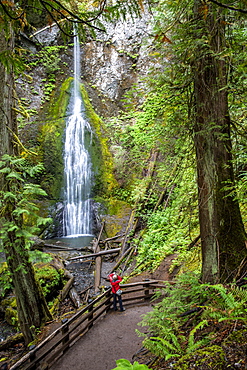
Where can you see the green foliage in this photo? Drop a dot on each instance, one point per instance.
(171, 230)
(18, 207)
(5, 279)
(167, 335)
(49, 57)
(38, 256)
(123, 364)
(12, 61)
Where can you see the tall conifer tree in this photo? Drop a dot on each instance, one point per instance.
(222, 232)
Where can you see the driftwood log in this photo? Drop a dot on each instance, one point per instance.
(68, 288)
(112, 239)
(11, 341)
(121, 259)
(101, 253)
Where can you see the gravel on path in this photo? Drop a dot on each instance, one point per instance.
(111, 338)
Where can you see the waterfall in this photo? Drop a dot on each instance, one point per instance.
(77, 161)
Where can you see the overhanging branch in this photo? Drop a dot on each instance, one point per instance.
(228, 7)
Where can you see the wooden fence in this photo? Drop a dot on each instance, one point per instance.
(46, 353)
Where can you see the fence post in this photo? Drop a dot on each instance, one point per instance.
(65, 333)
(32, 356)
(146, 292)
(110, 301)
(90, 317)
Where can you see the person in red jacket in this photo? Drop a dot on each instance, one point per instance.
(115, 281)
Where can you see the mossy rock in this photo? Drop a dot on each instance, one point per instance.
(11, 316)
(51, 140)
(50, 279)
(10, 310)
(117, 219)
(203, 359)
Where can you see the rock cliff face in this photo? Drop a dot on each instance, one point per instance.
(110, 65)
(116, 60)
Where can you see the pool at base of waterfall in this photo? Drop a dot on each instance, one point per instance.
(78, 241)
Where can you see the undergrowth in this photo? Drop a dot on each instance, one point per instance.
(190, 315)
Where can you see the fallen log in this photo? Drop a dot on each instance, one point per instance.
(121, 259)
(74, 297)
(96, 244)
(62, 294)
(109, 251)
(128, 258)
(113, 238)
(11, 341)
(61, 248)
(85, 290)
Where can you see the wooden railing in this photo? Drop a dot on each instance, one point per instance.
(56, 344)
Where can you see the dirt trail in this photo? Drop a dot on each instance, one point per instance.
(111, 338)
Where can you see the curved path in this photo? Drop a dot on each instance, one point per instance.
(111, 338)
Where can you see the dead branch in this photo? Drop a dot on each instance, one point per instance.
(121, 259)
(113, 238)
(101, 253)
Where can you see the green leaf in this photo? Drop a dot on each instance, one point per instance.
(9, 196)
(44, 221)
(5, 170)
(19, 212)
(14, 175)
(13, 228)
(126, 365)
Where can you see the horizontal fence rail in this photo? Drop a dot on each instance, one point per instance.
(47, 352)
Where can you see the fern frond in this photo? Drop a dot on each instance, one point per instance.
(191, 339)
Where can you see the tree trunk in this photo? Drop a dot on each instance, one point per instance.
(31, 304)
(221, 228)
(7, 115)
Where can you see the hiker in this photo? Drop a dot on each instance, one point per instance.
(116, 291)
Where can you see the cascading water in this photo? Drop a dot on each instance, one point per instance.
(77, 162)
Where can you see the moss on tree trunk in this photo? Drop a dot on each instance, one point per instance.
(31, 305)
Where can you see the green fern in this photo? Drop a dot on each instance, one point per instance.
(217, 302)
(19, 199)
(192, 345)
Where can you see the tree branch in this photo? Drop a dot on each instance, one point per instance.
(228, 7)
